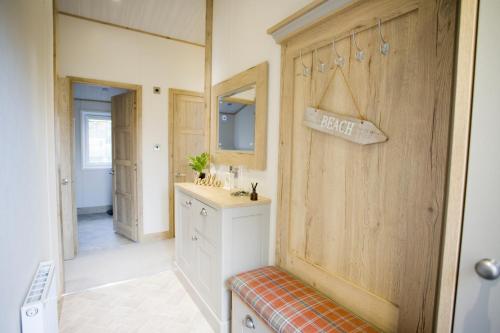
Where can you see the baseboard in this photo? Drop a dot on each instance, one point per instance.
(93, 210)
(156, 236)
(217, 325)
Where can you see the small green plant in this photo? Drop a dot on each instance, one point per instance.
(198, 163)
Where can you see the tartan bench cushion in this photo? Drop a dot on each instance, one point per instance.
(288, 305)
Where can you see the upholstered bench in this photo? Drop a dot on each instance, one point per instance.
(269, 299)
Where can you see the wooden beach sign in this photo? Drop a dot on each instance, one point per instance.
(352, 129)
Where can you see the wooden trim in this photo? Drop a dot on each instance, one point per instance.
(464, 83)
(256, 160)
(138, 95)
(155, 236)
(238, 100)
(172, 93)
(130, 29)
(208, 67)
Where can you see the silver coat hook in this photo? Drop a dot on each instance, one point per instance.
(320, 64)
(339, 60)
(360, 55)
(306, 71)
(384, 46)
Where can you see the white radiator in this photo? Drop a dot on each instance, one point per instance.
(39, 311)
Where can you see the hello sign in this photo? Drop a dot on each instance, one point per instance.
(352, 129)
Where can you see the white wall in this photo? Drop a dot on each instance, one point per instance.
(240, 41)
(28, 212)
(93, 187)
(93, 50)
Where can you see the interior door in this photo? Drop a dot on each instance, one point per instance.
(123, 117)
(478, 299)
(188, 137)
(64, 151)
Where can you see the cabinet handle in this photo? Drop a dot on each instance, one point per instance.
(248, 322)
(188, 203)
(203, 212)
(194, 238)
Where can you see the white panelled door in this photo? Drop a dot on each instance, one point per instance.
(478, 298)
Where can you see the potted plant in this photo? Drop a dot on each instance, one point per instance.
(199, 163)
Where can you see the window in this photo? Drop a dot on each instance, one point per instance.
(96, 140)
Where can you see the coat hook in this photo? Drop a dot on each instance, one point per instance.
(339, 61)
(360, 55)
(306, 71)
(320, 64)
(384, 46)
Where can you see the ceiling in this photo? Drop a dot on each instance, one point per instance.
(180, 19)
(95, 92)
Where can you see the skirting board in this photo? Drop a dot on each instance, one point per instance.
(210, 316)
(155, 236)
(93, 210)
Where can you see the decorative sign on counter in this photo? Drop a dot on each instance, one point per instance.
(352, 129)
(209, 180)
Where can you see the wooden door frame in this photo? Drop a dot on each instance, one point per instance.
(172, 94)
(138, 94)
(457, 163)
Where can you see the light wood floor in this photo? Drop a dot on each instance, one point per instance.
(151, 304)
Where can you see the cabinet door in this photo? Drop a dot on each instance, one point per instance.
(185, 232)
(206, 270)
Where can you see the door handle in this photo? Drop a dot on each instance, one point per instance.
(180, 174)
(488, 269)
(203, 212)
(65, 181)
(194, 238)
(112, 172)
(248, 322)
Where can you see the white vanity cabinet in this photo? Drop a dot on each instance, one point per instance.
(217, 236)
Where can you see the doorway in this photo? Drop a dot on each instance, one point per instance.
(93, 165)
(98, 140)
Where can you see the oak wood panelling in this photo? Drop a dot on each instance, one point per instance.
(188, 136)
(363, 223)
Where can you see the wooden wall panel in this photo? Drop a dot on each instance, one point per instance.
(363, 223)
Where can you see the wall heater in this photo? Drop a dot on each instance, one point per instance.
(39, 311)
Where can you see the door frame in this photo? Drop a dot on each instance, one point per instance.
(457, 164)
(138, 94)
(172, 94)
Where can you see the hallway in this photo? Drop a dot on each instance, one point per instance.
(106, 257)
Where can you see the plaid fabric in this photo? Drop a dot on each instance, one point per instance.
(288, 305)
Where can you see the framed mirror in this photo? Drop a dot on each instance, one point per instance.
(239, 119)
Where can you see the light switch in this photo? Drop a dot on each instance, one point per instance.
(156, 147)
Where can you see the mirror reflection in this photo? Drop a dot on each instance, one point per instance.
(237, 120)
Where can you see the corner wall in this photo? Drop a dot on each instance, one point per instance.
(96, 51)
(28, 207)
(240, 41)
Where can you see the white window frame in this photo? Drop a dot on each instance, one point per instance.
(85, 115)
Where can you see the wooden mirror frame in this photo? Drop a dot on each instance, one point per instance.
(256, 159)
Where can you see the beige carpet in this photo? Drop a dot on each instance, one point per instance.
(153, 304)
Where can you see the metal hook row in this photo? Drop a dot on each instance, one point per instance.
(384, 48)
